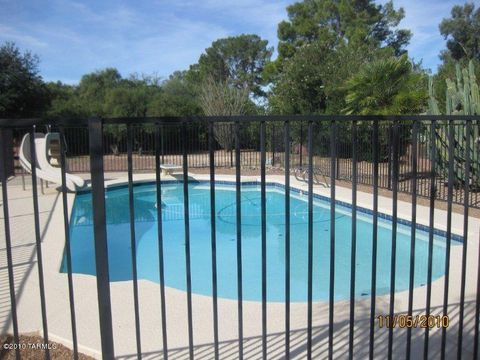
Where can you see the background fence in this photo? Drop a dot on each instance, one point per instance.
(115, 151)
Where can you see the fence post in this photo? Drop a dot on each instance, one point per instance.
(95, 129)
(389, 174)
(7, 148)
(8, 243)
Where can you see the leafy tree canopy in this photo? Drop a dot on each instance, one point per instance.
(334, 21)
(462, 32)
(65, 102)
(238, 60)
(300, 88)
(106, 93)
(22, 91)
(313, 80)
(386, 86)
(93, 89)
(178, 97)
(125, 102)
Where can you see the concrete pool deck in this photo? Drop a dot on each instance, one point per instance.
(57, 302)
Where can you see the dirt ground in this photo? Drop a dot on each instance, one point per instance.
(30, 348)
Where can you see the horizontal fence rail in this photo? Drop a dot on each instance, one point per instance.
(414, 180)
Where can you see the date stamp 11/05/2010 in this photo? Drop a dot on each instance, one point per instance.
(413, 321)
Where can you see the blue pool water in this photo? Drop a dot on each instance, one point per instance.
(118, 233)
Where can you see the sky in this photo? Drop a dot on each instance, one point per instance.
(74, 37)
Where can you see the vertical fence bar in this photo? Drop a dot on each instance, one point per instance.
(394, 232)
(162, 129)
(38, 241)
(68, 252)
(133, 242)
(401, 164)
(273, 144)
(337, 171)
(287, 239)
(466, 194)
(333, 171)
(374, 240)
(100, 235)
(264, 239)
(23, 178)
(433, 160)
(231, 152)
(389, 172)
(187, 239)
(310, 241)
(354, 240)
(476, 150)
(161, 268)
(8, 243)
(214, 237)
(461, 143)
(451, 148)
(301, 145)
(477, 311)
(445, 155)
(413, 232)
(238, 201)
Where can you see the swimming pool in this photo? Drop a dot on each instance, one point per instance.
(118, 234)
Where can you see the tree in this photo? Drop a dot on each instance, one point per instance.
(222, 99)
(312, 81)
(177, 96)
(123, 101)
(386, 86)
(106, 93)
(93, 89)
(462, 32)
(64, 102)
(238, 60)
(22, 91)
(300, 88)
(334, 21)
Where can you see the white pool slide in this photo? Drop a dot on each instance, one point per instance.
(44, 169)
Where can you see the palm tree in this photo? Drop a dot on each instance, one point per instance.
(389, 86)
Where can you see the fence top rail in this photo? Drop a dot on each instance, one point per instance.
(18, 123)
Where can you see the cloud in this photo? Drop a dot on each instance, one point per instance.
(10, 34)
(73, 37)
(81, 9)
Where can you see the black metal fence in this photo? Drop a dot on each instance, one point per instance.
(400, 153)
(115, 143)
